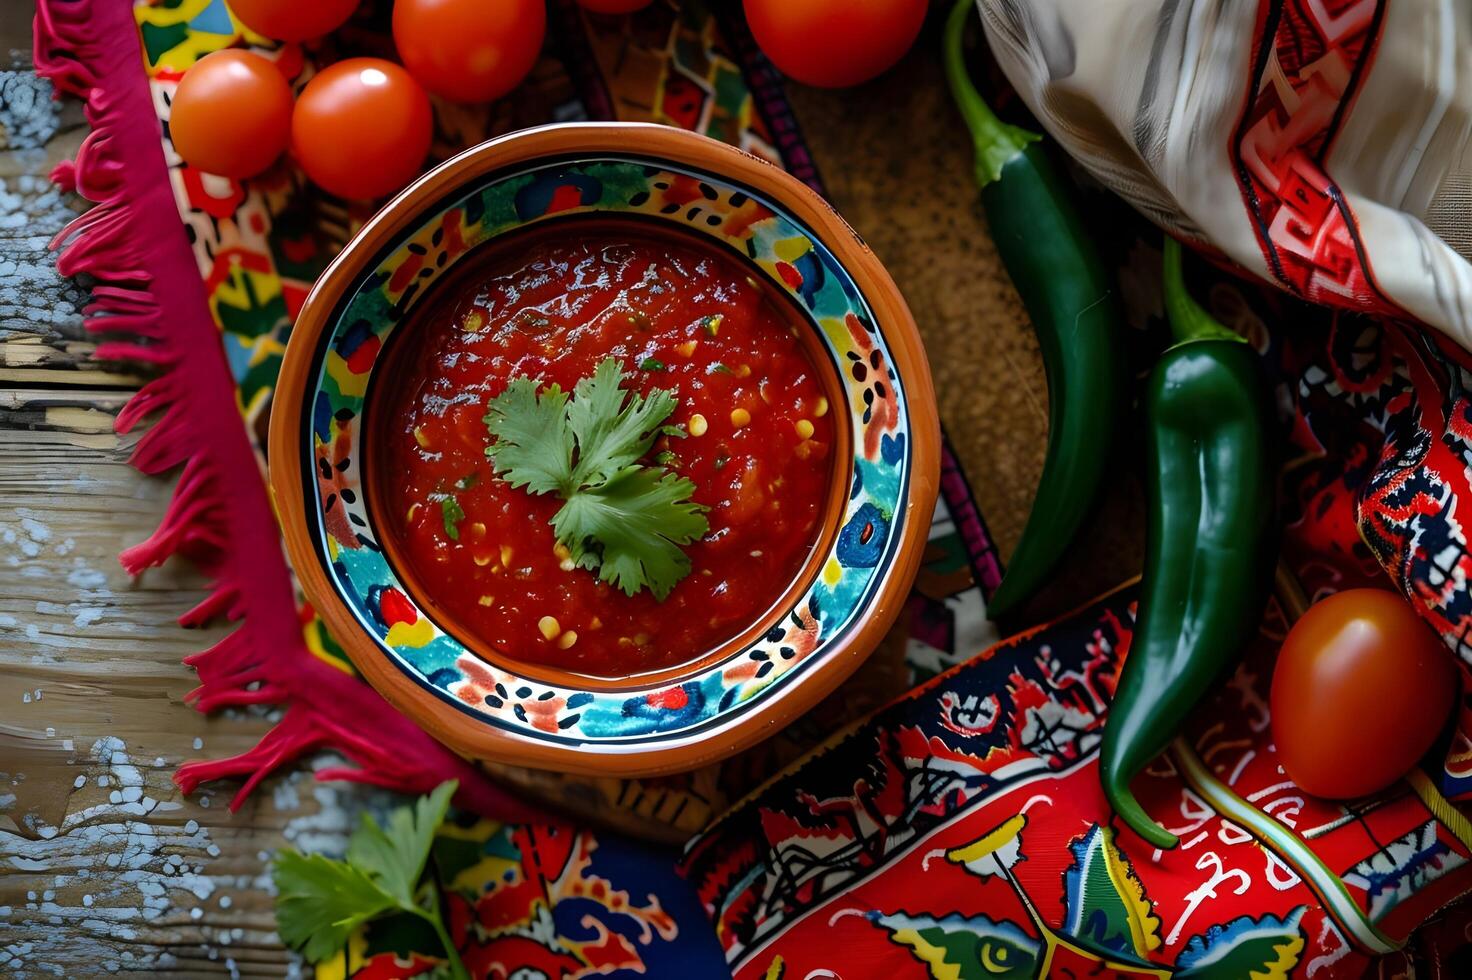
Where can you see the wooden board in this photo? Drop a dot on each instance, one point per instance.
(103, 865)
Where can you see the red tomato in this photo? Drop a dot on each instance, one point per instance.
(614, 6)
(1361, 690)
(469, 50)
(834, 43)
(231, 114)
(361, 128)
(293, 20)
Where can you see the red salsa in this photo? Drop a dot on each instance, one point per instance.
(550, 305)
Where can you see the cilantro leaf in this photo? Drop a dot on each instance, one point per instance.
(613, 432)
(395, 854)
(319, 902)
(631, 527)
(534, 443)
(452, 514)
(651, 364)
(624, 519)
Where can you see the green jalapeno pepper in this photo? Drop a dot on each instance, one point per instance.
(1075, 314)
(1209, 539)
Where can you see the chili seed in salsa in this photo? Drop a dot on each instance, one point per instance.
(551, 304)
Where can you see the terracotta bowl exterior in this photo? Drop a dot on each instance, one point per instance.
(486, 704)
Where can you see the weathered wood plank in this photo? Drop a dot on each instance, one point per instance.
(93, 724)
(104, 867)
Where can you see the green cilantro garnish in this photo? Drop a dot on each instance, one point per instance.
(452, 514)
(716, 367)
(319, 901)
(624, 519)
(467, 481)
(666, 458)
(651, 364)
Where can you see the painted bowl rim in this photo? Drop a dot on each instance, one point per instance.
(290, 443)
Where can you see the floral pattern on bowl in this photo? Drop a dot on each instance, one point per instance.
(611, 717)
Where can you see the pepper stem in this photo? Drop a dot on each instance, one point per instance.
(995, 142)
(1188, 319)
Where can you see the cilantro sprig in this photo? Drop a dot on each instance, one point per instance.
(319, 901)
(621, 517)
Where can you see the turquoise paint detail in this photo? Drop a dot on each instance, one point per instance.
(237, 354)
(439, 654)
(214, 19)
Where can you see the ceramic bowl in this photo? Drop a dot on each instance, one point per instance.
(490, 706)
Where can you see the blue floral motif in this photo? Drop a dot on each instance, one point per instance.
(861, 541)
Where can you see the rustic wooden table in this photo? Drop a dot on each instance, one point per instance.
(104, 866)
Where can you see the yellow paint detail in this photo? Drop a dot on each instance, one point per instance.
(1003, 834)
(347, 961)
(1442, 810)
(791, 249)
(832, 572)
(1144, 924)
(1289, 951)
(412, 635)
(837, 333)
(198, 43)
(491, 867)
(266, 346)
(775, 969)
(312, 636)
(928, 953)
(994, 957)
(350, 384)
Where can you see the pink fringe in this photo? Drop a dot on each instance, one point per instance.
(150, 302)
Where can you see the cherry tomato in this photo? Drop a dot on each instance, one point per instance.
(469, 50)
(834, 43)
(614, 6)
(231, 114)
(1361, 690)
(293, 20)
(361, 128)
